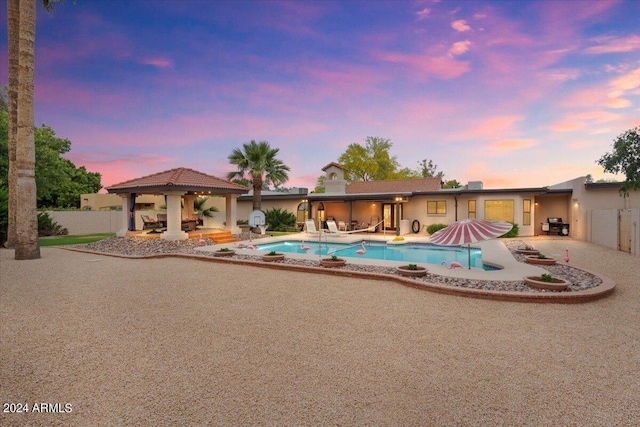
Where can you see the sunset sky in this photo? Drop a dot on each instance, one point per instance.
(511, 93)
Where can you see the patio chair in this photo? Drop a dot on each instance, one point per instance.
(162, 219)
(333, 228)
(311, 226)
(148, 222)
(342, 226)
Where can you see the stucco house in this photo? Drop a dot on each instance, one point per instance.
(593, 212)
(588, 211)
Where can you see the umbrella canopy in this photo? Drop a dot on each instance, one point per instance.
(469, 231)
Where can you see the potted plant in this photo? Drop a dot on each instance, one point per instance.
(546, 281)
(334, 261)
(224, 252)
(527, 250)
(540, 259)
(411, 270)
(273, 256)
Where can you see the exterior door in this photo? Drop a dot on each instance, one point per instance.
(389, 215)
(624, 230)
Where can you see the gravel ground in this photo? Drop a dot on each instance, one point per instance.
(181, 342)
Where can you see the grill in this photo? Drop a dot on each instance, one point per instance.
(555, 225)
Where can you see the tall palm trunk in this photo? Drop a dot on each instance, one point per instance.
(27, 246)
(257, 192)
(13, 15)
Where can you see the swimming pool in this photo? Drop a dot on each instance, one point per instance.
(410, 252)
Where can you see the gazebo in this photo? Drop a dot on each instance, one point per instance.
(176, 184)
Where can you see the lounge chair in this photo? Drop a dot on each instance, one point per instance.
(333, 228)
(342, 226)
(148, 222)
(311, 226)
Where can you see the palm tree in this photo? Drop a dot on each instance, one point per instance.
(198, 207)
(23, 215)
(258, 161)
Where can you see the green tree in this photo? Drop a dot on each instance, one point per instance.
(452, 183)
(59, 183)
(404, 173)
(625, 158)
(320, 184)
(369, 162)
(258, 163)
(429, 170)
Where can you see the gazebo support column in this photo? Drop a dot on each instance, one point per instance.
(231, 207)
(174, 218)
(125, 216)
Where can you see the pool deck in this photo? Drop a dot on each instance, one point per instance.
(494, 252)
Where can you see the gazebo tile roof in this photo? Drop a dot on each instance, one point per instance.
(179, 177)
(394, 186)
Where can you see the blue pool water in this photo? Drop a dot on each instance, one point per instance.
(410, 252)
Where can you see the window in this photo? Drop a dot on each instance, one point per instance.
(333, 176)
(472, 208)
(498, 210)
(526, 212)
(437, 207)
(303, 208)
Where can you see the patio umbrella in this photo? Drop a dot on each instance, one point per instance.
(469, 231)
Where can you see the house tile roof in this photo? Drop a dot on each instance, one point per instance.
(178, 179)
(338, 165)
(394, 186)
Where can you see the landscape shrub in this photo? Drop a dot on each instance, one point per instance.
(48, 227)
(280, 220)
(435, 227)
(513, 232)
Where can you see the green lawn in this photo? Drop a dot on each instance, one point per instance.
(73, 240)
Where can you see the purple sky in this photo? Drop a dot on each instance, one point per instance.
(512, 93)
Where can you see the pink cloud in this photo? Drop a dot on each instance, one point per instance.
(458, 48)
(116, 170)
(618, 103)
(460, 25)
(567, 125)
(423, 14)
(626, 82)
(440, 67)
(614, 45)
(491, 127)
(576, 121)
(505, 145)
(157, 62)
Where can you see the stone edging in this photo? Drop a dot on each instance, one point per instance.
(605, 289)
